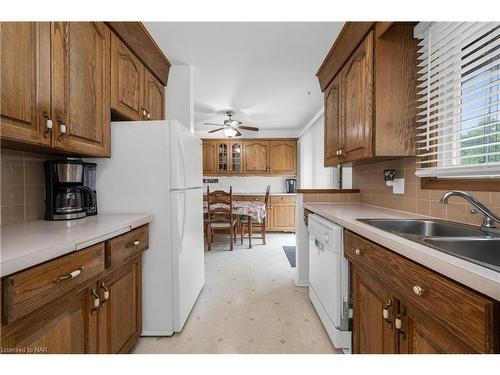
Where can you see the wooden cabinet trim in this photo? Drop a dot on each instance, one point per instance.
(351, 35)
(135, 36)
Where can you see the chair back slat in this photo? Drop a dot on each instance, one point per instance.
(220, 206)
(268, 191)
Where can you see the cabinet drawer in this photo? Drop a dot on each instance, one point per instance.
(255, 198)
(29, 290)
(126, 246)
(282, 199)
(463, 312)
(239, 198)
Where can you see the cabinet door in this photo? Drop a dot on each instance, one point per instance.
(419, 334)
(372, 334)
(25, 87)
(333, 132)
(283, 157)
(209, 157)
(80, 87)
(154, 97)
(127, 81)
(222, 153)
(68, 326)
(357, 94)
(283, 217)
(235, 149)
(120, 321)
(255, 157)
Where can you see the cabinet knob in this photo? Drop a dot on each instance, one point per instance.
(358, 252)
(48, 125)
(418, 290)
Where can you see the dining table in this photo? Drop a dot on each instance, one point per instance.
(253, 211)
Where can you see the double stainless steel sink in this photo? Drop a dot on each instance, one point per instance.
(463, 241)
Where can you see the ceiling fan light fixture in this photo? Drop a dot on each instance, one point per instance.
(229, 132)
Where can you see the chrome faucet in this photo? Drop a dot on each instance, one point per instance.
(489, 217)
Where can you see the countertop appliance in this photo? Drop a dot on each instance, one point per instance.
(291, 185)
(329, 280)
(89, 180)
(156, 168)
(66, 196)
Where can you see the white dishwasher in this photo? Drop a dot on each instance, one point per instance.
(329, 280)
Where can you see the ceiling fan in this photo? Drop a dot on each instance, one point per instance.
(231, 126)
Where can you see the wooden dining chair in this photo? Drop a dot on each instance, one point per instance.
(220, 216)
(261, 227)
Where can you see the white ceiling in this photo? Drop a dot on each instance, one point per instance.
(263, 71)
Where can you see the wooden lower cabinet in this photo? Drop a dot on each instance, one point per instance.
(98, 315)
(67, 326)
(371, 332)
(120, 321)
(425, 311)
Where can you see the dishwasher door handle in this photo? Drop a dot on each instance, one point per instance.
(319, 245)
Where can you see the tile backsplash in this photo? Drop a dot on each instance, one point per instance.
(22, 185)
(369, 179)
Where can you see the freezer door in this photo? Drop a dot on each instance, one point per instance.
(188, 252)
(185, 158)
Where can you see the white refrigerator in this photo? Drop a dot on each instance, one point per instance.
(156, 168)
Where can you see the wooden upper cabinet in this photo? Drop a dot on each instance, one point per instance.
(136, 94)
(333, 134)
(357, 89)
(256, 156)
(209, 157)
(154, 97)
(80, 87)
(25, 81)
(369, 83)
(127, 81)
(283, 157)
(250, 157)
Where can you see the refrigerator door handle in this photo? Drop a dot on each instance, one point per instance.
(181, 210)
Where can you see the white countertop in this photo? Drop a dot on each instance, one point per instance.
(35, 242)
(474, 276)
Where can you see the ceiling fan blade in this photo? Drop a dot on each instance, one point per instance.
(211, 123)
(215, 130)
(251, 128)
(238, 134)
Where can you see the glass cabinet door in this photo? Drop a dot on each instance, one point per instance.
(222, 156)
(235, 157)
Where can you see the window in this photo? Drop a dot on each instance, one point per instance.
(458, 116)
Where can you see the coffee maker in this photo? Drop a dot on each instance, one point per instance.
(66, 196)
(89, 180)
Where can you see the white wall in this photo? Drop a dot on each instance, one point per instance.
(248, 184)
(312, 173)
(179, 96)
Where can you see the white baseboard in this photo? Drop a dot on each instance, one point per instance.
(301, 283)
(157, 333)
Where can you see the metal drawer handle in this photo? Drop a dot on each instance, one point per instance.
(358, 252)
(97, 300)
(418, 290)
(48, 124)
(62, 129)
(70, 275)
(106, 294)
(319, 245)
(134, 244)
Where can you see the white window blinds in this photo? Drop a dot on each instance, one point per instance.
(458, 108)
